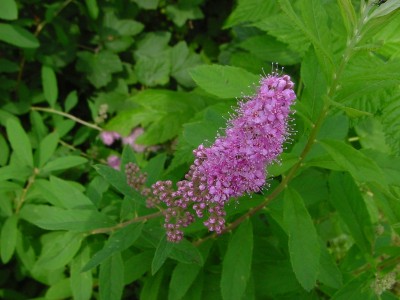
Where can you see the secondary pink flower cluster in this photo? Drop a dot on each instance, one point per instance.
(235, 164)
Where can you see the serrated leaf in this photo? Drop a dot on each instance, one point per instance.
(19, 141)
(152, 71)
(163, 250)
(81, 282)
(179, 14)
(47, 147)
(360, 167)
(236, 266)
(225, 81)
(347, 200)
(55, 218)
(111, 278)
(8, 10)
(99, 67)
(119, 241)
(329, 273)
(17, 36)
(63, 163)
(49, 83)
(250, 10)
(182, 278)
(118, 180)
(304, 245)
(8, 241)
(59, 250)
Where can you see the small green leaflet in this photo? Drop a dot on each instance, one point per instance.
(49, 83)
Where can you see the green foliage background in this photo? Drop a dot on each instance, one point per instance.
(72, 228)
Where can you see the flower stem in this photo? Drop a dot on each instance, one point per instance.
(69, 116)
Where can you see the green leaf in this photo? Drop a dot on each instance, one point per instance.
(81, 282)
(9, 233)
(304, 245)
(119, 241)
(348, 15)
(179, 14)
(163, 250)
(360, 167)
(155, 168)
(118, 180)
(225, 81)
(359, 288)
(186, 252)
(347, 200)
(55, 218)
(182, 278)
(59, 251)
(147, 4)
(137, 265)
(47, 147)
(4, 150)
(152, 286)
(236, 266)
(63, 193)
(17, 36)
(99, 67)
(385, 9)
(63, 163)
(153, 71)
(268, 48)
(329, 273)
(19, 141)
(111, 278)
(250, 11)
(71, 101)
(93, 8)
(60, 290)
(49, 83)
(8, 10)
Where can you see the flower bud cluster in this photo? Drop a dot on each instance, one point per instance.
(235, 164)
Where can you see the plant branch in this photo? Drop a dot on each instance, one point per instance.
(124, 224)
(22, 198)
(69, 116)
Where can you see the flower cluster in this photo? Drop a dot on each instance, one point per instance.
(235, 164)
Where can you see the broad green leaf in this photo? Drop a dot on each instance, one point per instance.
(118, 180)
(119, 27)
(268, 48)
(93, 8)
(9, 233)
(14, 172)
(179, 14)
(81, 282)
(250, 10)
(99, 67)
(153, 45)
(360, 167)
(49, 83)
(19, 141)
(59, 251)
(236, 265)
(55, 218)
(62, 193)
(152, 286)
(155, 168)
(71, 101)
(137, 265)
(186, 252)
(8, 10)
(47, 147)
(119, 241)
(347, 200)
(329, 273)
(60, 290)
(17, 36)
(111, 278)
(63, 163)
(152, 71)
(314, 86)
(163, 250)
(304, 245)
(225, 81)
(182, 278)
